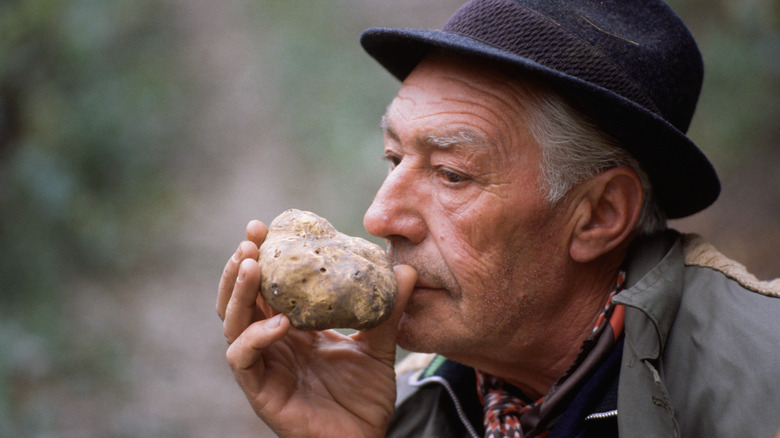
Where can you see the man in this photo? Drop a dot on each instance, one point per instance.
(535, 151)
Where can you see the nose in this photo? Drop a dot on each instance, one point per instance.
(397, 210)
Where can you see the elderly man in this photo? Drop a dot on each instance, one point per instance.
(536, 150)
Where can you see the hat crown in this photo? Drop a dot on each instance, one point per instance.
(639, 50)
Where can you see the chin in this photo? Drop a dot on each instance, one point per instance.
(425, 335)
(413, 337)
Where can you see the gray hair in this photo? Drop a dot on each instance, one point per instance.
(574, 149)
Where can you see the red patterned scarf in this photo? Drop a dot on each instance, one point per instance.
(507, 415)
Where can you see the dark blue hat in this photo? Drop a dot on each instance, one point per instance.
(631, 65)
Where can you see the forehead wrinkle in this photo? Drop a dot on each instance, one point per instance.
(434, 138)
(493, 116)
(385, 122)
(512, 99)
(497, 111)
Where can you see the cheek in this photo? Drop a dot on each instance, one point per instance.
(474, 227)
(499, 258)
(472, 273)
(484, 273)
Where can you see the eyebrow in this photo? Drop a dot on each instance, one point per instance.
(456, 138)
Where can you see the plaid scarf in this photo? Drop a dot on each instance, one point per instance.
(507, 415)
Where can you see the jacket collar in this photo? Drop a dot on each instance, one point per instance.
(654, 289)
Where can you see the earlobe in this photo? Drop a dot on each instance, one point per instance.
(609, 208)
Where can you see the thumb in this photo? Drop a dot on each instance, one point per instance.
(382, 338)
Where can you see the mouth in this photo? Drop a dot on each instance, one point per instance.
(423, 287)
(423, 283)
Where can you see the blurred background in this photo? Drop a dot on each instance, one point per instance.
(138, 137)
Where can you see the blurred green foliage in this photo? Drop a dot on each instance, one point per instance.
(90, 103)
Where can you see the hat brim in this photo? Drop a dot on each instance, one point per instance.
(684, 181)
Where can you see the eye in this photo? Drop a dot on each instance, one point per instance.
(450, 176)
(393, 159)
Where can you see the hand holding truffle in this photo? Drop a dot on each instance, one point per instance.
(345, 384)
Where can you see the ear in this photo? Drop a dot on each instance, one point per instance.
(608, 208)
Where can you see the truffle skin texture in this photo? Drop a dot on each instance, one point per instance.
(321, 278)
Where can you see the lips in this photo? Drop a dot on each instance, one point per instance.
(423, 284)
(427, 288)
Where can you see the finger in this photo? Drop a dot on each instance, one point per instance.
(248, 347)
(241, 310)
(264, 308)
(382, 338)
(246, 250)
(256, 232)
(246, 352)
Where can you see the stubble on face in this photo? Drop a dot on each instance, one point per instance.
(467, 319)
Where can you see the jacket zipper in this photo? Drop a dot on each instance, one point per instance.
(602, 415)
(462, 414)
(451, 392)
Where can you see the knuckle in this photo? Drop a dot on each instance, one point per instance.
(230, 356)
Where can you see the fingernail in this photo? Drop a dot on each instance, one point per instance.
(276, 321)
(237, 255)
